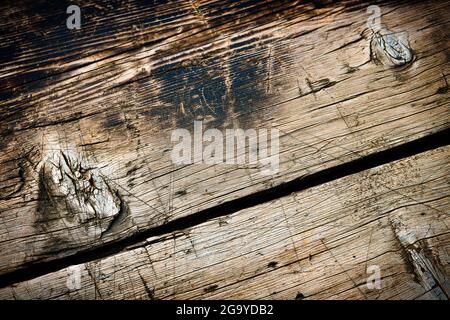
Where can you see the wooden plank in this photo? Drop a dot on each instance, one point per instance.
(110, 101)
(318, 243)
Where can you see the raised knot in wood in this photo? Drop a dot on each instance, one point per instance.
(390, 48)
(78, 193)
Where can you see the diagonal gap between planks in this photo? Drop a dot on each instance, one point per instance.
(427, 143)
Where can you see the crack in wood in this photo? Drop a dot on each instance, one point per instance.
(424, 144)
(420, 262)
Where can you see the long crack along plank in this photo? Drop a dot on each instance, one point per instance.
(89, 114)
(319, 243)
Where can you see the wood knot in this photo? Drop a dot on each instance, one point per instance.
(390, 48)
(78, 194)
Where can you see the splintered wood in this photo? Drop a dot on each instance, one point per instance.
(86, 122)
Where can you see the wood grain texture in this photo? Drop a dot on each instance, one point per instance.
(313, 244)
(100, 103)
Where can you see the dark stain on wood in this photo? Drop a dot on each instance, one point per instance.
(211, 288)
(299, 296)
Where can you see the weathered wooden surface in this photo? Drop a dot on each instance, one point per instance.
(107, 97)
(314, 244)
